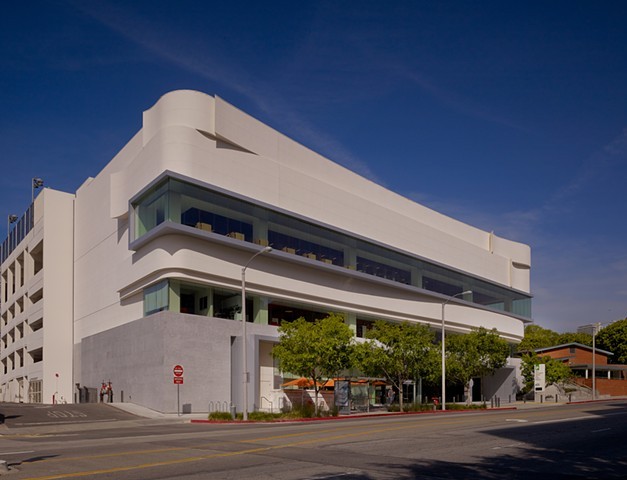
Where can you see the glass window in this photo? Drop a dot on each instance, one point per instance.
(156, 298)
(382, 270)
(213, 212)
(279, 313)
(152, 210)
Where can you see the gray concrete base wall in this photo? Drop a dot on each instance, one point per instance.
(504, 384)
(138, 359)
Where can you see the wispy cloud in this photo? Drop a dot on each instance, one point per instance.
(576, 279)
(602, 163)
(529, 223)
(455, 101)
(201, 60)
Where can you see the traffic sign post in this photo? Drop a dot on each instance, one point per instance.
(178, 381)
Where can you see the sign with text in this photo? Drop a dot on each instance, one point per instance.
(539, 377)
(178, 370)
(178, 380)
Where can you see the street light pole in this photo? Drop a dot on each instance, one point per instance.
(595, 330)
(467, 292)
(244, 339)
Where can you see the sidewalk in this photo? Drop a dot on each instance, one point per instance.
(29, 419)
(145, 416)
(145, 412)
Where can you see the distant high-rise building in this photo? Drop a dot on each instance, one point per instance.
(590, 328)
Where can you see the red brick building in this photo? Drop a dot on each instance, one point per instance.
(610, 379)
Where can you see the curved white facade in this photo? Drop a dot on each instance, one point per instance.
(170, 221)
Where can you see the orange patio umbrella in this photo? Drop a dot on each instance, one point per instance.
(301, 382)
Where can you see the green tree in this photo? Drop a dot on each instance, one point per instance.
(570, 337)
(476, 354)
(318, 351)
(538, 337)
(555, 371)
(398, 352)
(613, 338)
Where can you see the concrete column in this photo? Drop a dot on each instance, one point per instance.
(11, 280)
(350, 258)
(174, 207)
(19, 281)
(260, 310)
(260, 231)
(416, 277)
(351, 321)
(209, 302)
(174, 296)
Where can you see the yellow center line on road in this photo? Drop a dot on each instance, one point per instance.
(368, 430)
(343, 429)
(117, 454)
(397, 426)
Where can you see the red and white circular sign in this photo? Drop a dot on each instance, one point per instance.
(178, 371)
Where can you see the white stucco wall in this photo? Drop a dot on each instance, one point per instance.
(278, 171)
(53, 230)
(265, 166)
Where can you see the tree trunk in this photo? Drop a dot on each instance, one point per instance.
(400, 394)
(316, 387)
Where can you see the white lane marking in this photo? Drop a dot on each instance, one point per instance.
(511, 445)
(64, 423)
(600, 430)
(17, 453)
(571, 419)
(518, 420)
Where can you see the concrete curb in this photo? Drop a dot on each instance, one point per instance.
(356, 416)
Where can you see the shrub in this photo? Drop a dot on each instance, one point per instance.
(464, 406)
(411, 407)
(264, 416)
(300, 411)
(220, 416)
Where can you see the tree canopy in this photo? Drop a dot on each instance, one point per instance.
(555, 371)
(318, 351)
(613, 338)
(539, 337)
(576, 337)
(476, 354)
(398, 352)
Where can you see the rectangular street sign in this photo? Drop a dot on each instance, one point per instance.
(178, 380)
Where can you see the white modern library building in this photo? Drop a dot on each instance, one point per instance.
(141, 268)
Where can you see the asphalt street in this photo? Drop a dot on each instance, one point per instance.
(25, 415)
(558, 442)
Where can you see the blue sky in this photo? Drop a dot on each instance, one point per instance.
(509, 116)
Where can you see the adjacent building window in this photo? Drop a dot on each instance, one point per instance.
(34, 391)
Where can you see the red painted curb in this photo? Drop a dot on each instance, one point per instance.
(350, 417)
